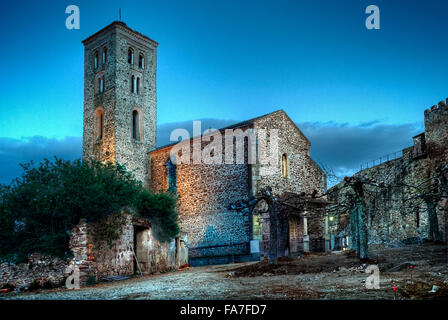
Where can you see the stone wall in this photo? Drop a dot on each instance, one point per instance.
(392, 215)
(38, 272)
(206, 191)
(100, 260)
(304, 175)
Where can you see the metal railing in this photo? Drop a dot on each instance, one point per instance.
(383, 159)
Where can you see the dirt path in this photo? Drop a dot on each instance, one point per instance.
(336, 280)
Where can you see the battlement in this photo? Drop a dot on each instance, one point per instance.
(441, 109)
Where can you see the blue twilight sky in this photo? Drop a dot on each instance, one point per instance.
(357, 93)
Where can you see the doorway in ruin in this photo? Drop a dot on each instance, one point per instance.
(141, 259)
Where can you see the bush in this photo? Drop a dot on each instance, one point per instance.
(160, 209)
(39, 209)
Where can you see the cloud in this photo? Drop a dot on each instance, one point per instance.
(344, 148)
(16, 151)
(341, 147)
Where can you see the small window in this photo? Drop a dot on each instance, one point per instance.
(135, 125)
(104, 55)
(172, 176)
(284, 166)
(137, 86)
(101, 84)
(95, 60)
(141, 61)
(131, 56)
(133, 84)
(99, 124)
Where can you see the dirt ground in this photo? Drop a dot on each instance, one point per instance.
(338, 275)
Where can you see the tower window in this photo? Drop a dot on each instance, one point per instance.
(101, 84)
(95, 60)
(135, 125)
(137, 86)
(99, 124)
(133, 84)
(104, 55)
(284, 166)
(131, 56)
(141, 61)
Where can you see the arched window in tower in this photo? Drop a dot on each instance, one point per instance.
(101, 84)
(99, 124)
(131, 56)
(172, 176)
(284, 166)
(137, 86)
(104, 55)
(135, 125)
(133, 84)
(95, 60)
(141, 61)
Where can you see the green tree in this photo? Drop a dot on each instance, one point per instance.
(38, 210)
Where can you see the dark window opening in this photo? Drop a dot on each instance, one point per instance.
(96, 60)
(104, 55)
(130, 56)
(135, 125)
(133, 84)
(141, 61)
(172, 177)
(100, 124)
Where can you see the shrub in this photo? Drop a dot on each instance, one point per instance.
(39, 209)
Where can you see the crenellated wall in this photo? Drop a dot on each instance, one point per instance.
(393, 216)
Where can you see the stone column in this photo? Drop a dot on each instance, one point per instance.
(306, 237)
(326, 235)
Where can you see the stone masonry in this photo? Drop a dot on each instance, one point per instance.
(117, 101)
(392, 217)
(206, 191)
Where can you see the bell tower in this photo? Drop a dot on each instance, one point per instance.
(120, 99)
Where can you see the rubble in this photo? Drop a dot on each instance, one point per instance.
(39, 272)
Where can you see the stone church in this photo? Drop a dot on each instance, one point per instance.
(120, 119)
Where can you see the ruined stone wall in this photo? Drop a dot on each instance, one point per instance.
(392, 215)
(117, 101)
(436, 132)
(38, 272)
(103, 259)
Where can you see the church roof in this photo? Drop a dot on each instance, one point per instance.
(241, 124)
